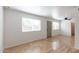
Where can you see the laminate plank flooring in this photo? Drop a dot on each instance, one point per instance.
(56, 44)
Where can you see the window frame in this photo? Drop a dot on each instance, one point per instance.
(54, 25)
(32, 22)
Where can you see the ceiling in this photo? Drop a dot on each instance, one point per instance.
(56, 12)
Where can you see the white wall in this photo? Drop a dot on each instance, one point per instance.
(76, 20)
(66, 27)
(77, 31)
(13, 28)
(1, 29)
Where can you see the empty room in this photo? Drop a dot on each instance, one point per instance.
(39, 29)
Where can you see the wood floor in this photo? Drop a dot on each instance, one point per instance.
(57, 44)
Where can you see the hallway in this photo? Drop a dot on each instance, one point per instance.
(57, 44)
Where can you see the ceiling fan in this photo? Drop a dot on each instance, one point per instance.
(67, 18)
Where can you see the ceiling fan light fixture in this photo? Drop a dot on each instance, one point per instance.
(66, 18)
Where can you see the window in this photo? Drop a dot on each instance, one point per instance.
(29, 24)
(55, 25)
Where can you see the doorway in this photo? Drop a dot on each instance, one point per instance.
(72, 29)
(49, 29)
(73, 33)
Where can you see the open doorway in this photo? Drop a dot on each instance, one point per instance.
(73, 33)
(49, 29)
(72, 29)
(53, 28)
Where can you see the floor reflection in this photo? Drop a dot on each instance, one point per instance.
(58, 44)
(55, 45)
